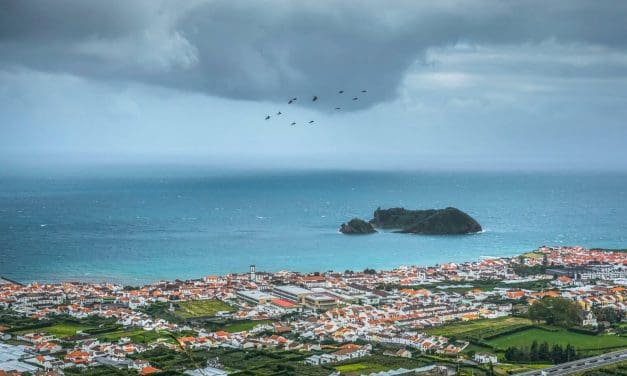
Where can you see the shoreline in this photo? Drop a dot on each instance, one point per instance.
(148, 281)
(139, 282)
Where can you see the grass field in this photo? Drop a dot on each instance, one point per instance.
(244, 325)
(479, 329)
(377, 363)
(136, 335)
(504, 369)
(561, 337)
(201, 308)
(361, 368)
(67, 330)
(58, 330)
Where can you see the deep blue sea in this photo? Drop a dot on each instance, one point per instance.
(146, 228)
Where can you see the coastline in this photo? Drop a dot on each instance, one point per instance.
(134, 281)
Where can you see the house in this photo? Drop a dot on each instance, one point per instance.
(351, 351)
(563, 281)
(47, 347)
(35, 338)
(149, 370)
(316, 360)
(589, 319)
(484, 358)
(402, 353)
(10, 373)
(345, 352)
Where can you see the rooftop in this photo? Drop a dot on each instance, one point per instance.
(294, 290)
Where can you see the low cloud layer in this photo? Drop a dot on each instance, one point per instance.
(272, 50)
(450, 84)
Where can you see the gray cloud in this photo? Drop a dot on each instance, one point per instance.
(490, 84)
(270, 50)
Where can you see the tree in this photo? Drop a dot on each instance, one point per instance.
(543, 351)
(571, 353)
(556, 311)
(534, 351)
(608, 314)
(557, 354)
(515, 354)
(509, 353)
(524, 270)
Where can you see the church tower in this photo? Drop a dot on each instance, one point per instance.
(252, 276)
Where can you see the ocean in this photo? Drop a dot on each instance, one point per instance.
(135, 229)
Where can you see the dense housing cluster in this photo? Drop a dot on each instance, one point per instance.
(331, 317)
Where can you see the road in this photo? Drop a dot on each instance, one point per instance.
(580, 365)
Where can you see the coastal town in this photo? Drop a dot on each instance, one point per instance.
(439, 319)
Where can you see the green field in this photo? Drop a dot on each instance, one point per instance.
(201, 308)
(59, 330)
(479, 329)
(240, 326)
(68, 330)
(238, 361)
(136, 335)
(505, 368)
(377, 363)
(361, 368)
(559, 336)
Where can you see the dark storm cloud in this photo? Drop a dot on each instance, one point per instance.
(271, 50)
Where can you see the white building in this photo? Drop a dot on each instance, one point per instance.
(485, 358)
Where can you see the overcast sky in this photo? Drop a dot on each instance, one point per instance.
(450, 84)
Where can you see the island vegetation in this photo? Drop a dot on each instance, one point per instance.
(448, 221)
(357, 226)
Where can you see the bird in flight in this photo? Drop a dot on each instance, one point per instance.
(314, 98)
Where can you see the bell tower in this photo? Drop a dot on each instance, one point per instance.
(252, 275)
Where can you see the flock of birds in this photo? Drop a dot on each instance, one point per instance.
(313, 99)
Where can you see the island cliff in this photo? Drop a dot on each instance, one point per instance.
(357, 226)
(449, 221)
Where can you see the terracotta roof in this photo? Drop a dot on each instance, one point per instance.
(149, 370)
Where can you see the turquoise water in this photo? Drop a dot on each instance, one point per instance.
(139, 229)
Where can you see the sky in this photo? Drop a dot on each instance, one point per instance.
(506, 85)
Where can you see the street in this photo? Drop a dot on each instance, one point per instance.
(580, 365)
